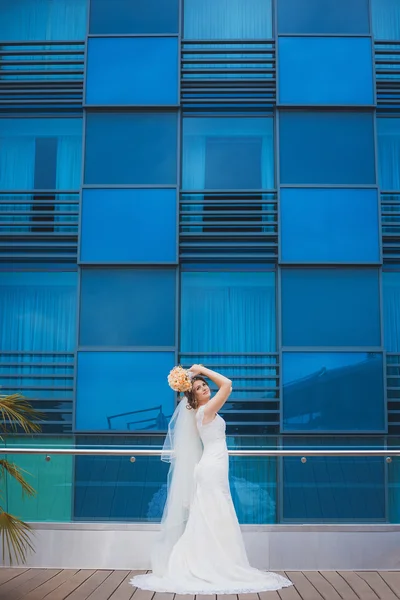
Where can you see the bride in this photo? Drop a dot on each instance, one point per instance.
(200, 549)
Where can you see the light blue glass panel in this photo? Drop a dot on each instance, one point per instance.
(124, 391)
(317, 70)
(385, 19)
(129, 71)
(127, 307)
(319, 147)
(231, 153)
(137, 148)
(25, 20)
(334, 489)
(330, 307)
(128, 226)
(331, 226)
(333, 391)
(29, 161)
(141, 16)
(227, 19)
(388, 130)
(323, 16)
(391, 312)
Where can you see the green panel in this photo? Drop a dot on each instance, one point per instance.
(52, 481)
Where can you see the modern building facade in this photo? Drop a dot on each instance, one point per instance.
(213, 181)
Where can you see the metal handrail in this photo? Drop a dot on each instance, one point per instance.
(132, 452)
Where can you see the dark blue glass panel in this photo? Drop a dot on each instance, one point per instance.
(128, 226)
(319, 147)
(129, 71)
(24, 20)
(333, 391)
(388, 130)
(385, 19)
(329, 70)
(228, 153)
(140, 16)
(391, 312)
(335, 488)
(40, 153)
(330, 307)
(124, 391)
(331, 226)
(127, 307)
(323, 16)
(227, 19)
(131, 148)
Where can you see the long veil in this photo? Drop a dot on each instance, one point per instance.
(182, 449)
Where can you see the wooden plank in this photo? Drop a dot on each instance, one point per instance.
(16, 581)
(289, 593)
(48, 586)
(358, 585)
(70, 586)
(250, 596)
(192, 597)
(41, 576)
(379, 585)
(143, 594)
(163, 596)
(392, 578)
(205, 597)
(339, 584)
(268, 596)
(323, 586)
(87, 587)
(110, 585)
(303, 586)
(6, 574)
(125, 591)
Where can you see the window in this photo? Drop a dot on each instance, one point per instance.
(137, 148)
(328, 70)
(319, 147)
(25, 20)
(331, 226)
(128, 226)
(127, 307)
(323, 16)
(385, 19)
(330, 307)
(391, 310)
(135, 75)
(141, 16)
(388, 130)
(333, 391)
(227, 153)
(227, 19)
(124, 391)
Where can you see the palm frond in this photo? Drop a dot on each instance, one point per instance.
(15, 411)
(16, 537)
(18, 474)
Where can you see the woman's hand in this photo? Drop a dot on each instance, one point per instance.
(196, 369)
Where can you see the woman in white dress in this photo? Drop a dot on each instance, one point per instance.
(200, 549)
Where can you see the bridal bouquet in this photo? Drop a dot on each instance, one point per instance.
(179, 379)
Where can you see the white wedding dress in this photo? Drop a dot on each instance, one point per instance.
(210, 557)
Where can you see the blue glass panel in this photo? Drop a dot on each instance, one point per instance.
(227, 153)
(391, 311)
(323, 16)
(322, 225)
(124, 391)
(388, 130)
(42, 20)
(319, 147)
(141, 16)
(129, 71)
(228, 312)
(330, 307)
(131, 148)
(227, 19)
(335, 488)
(329, 70)
(128, 226)
(333, 391)
(127, 307)
(386, 19)
(40, 153)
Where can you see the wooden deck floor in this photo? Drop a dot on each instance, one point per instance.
(58, 584)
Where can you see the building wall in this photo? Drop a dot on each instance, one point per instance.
(214, 182)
